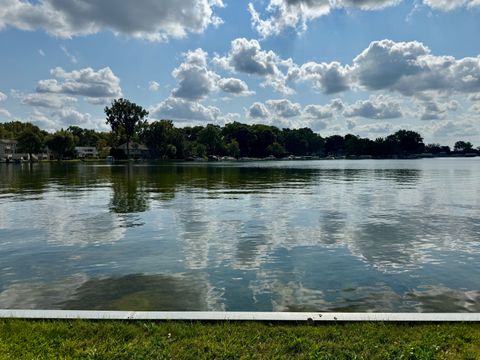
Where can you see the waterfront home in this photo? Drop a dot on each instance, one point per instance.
(86, 151)
(137, 151)
(9, 152)
(8, 148)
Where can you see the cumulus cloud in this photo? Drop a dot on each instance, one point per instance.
(96, 86)
(447, 5)
(329, 77)
(474, 97)
(448, 129)
(285, 113)
(48, 100)
(284, 108)
(64, 117)
(246, 56)
(235, 86)
(5, 113)
(145, 19)
(279, 15)
(182, 110)
(432, 109)
(153, 86)
(258, 111)
(295, 14)
(318, 111)
(410, 68)
(376, 107)
(374, 129)
(196, 81)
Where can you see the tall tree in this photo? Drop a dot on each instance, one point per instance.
(30, 141)
(61, 144)
(125, 117)
(463, 146)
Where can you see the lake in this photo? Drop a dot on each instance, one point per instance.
(369, 235)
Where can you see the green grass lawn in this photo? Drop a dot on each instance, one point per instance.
(27, 339)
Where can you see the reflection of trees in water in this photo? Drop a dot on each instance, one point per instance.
(179, 292)
(24, 179)
(137, 292)
(128, 192)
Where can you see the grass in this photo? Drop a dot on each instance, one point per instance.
(26, 339)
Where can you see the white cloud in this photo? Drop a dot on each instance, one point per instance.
(182, 110)
(433, 109)
(376, 107)
(474, 97)
(296, 14)
(153, 86)
(448, 129)
(96, 86)
(410, 68)
(63, 118)
(284, 113)
(196, 81)
(329, 77)
(3, 97)
(71, 57)
(48, 100)
(5, 113)
(284, 108)
(447, 5)
(145, 19)
(247, 56)
(318, 111)
(258, 111)
(235, 86)
(41, 52)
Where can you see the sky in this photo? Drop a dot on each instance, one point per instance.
(363, 67)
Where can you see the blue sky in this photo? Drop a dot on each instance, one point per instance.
(338, 66)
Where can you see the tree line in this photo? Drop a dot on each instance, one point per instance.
(165, 141)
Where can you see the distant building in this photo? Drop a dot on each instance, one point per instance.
(136, 150)
(8, 149)
(86, 151)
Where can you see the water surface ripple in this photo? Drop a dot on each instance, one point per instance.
(393, 236)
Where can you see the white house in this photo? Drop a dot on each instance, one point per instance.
(86, 151)
(8, 148)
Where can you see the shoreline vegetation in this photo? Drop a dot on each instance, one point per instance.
(133, 137)
(66, 339)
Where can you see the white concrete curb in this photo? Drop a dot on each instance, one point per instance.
(235, 316)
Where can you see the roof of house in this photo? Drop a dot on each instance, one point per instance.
(133, 146)
(8, 141)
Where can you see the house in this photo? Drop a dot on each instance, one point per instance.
(8, 148)
(9, 151)
(137, 150)
(86, 151)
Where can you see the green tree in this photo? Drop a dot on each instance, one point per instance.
(61, 144)
(125, 118)
(30, 142)
(463, 146)
(406, 142)
(233, 149)
(211, 137)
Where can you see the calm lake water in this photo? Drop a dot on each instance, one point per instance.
(367, 235)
